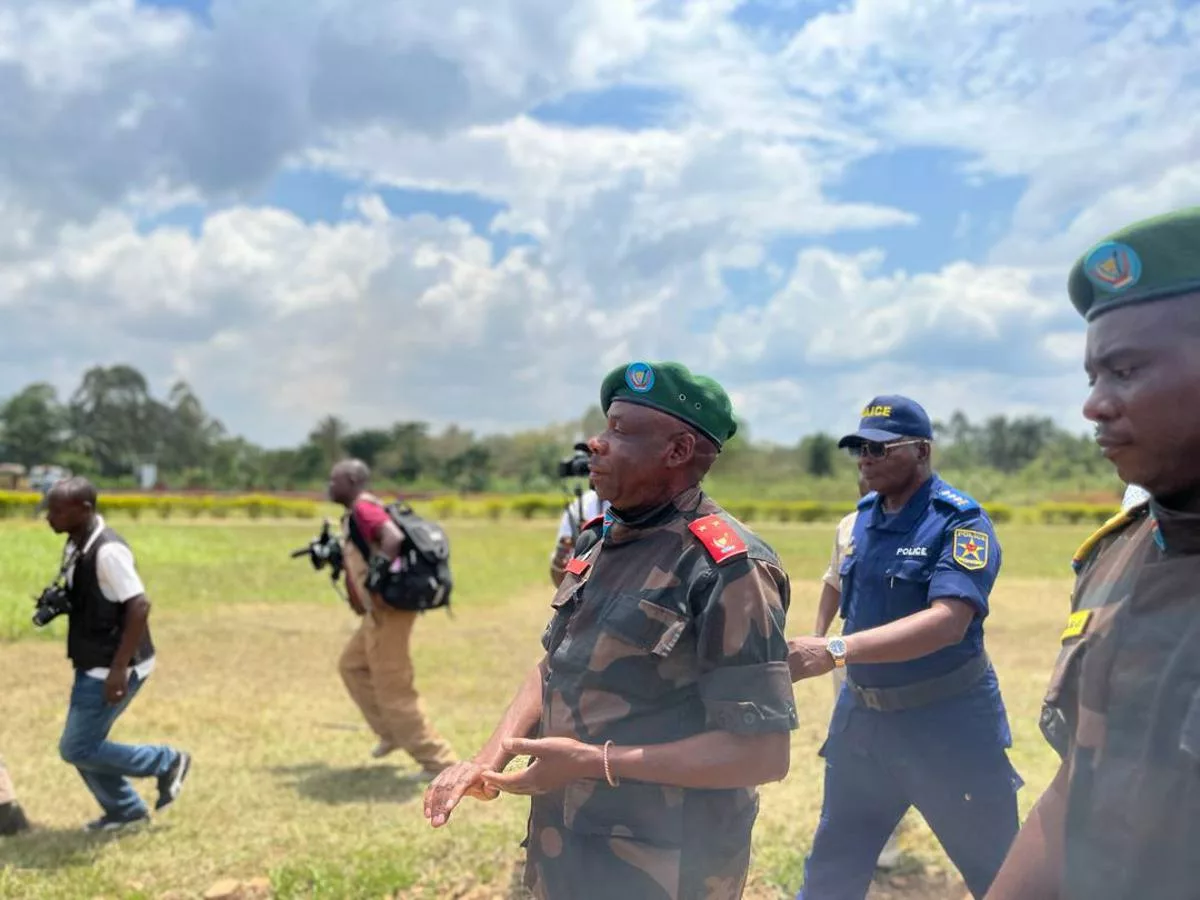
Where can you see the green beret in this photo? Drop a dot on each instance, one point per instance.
(1153, 259)
(670, 388)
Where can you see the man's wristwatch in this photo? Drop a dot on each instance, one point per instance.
(837, 649)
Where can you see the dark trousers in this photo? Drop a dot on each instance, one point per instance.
(968, 800)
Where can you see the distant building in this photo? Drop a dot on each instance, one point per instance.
(42, 478)
(11, 475)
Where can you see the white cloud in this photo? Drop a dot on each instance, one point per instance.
(111, 112)
(839, 312)
(67, 48)
(1083, 98)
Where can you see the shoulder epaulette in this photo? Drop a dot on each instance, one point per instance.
(717, 535)
(957, 499)
(1114, 524)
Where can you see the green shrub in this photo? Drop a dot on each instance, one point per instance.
(15, 504)
(999, 513)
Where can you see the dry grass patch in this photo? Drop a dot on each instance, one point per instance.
(284, 787)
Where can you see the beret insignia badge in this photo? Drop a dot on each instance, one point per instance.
(1112, 266)
(639, 377)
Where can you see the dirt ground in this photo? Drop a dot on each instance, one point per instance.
(886, 887)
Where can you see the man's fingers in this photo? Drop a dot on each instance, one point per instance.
(522, 746)
(441, 798)
(522, 782)
(482, 792)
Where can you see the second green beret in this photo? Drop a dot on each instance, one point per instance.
(1153, 259)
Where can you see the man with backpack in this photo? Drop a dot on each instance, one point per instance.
(376, 665)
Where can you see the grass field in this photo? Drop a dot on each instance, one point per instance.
(283, 786)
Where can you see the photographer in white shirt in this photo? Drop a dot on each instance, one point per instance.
(109, 645)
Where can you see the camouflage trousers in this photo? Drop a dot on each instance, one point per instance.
(636, 842)
(377, 669)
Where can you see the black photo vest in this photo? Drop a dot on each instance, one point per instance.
(95, 623)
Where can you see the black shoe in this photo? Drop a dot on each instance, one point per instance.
(111, 822)
(171, 784)
(12, 819)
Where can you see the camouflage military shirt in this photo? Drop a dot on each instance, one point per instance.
(663, 629)
(1123, 710)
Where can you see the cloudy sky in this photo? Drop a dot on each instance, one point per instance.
(469, 210)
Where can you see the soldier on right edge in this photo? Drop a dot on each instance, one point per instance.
(1121, 818)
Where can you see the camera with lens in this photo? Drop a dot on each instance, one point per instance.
(53, 602)
(576, 465)
(324, 550)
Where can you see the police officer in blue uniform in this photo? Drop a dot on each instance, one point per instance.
(920, 721)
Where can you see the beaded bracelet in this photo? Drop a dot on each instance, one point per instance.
(608, 775)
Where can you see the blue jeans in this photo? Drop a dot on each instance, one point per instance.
(101, 763)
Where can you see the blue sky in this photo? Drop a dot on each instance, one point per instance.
(394, 213)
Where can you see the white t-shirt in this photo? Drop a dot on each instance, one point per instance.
(592, 507)
(119, 581)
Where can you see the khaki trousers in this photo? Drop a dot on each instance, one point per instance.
(8, 793)
(377, 669)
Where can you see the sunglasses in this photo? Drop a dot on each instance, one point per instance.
(877, 450)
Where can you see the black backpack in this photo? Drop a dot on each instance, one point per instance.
(423, 580)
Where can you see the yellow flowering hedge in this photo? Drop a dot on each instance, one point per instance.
(15, 504)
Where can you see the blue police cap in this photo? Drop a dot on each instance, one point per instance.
(889, 418)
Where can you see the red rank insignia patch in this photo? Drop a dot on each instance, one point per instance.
(578, 565)
(718, 537)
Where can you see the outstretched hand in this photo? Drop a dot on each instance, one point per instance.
(463, 779)
(557, 761)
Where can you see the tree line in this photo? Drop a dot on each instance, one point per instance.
(112, 423)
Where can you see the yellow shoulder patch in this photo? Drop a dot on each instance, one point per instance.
(1116, 523)
(1077, 624)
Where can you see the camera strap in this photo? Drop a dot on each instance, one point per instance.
(68, 563)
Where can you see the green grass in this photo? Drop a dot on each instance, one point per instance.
(284, 787)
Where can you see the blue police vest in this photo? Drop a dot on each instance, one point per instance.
(940, 545)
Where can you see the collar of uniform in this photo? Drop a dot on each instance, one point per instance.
(618, 529)
(97, 527)
(906, 517)
(1179, 532)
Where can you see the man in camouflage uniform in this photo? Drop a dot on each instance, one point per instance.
(664, 696)
(1121, 818)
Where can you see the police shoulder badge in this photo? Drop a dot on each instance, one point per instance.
(959, 501)
(1112, 266)
(718, 537)
(970, 548)
(639, 377)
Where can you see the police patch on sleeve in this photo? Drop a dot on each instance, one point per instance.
(970, 548)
